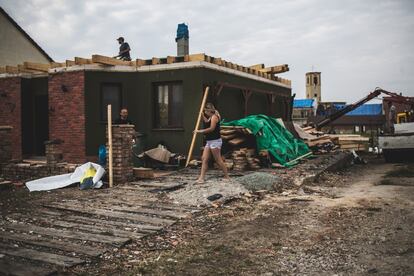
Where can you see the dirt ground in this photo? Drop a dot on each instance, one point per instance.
(356, 222)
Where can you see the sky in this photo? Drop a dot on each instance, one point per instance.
(356, 45)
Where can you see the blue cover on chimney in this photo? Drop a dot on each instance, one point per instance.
(182, 31)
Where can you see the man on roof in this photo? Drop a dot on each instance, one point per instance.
(123, 50)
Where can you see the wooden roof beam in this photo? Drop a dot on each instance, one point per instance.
(257, 66)
(275, 69)
(36, 66)
(22, 69)
(109, 60)
(82, 61)
(3, 70)
(57, 64)
(12, 69)
(197, 57)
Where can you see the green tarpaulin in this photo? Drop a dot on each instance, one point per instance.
(273, 137)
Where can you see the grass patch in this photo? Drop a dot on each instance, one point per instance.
(406, 171)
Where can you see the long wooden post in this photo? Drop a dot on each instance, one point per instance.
(110, 159)
(203, 103)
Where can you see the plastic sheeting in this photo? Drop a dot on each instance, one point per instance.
(273, 137)
(64, 180)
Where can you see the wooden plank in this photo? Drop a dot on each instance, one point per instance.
(36, 66)
(156, 185)
(155, 61)
(22, 69)
(109, 60)
(14, 268)
(257, 66)
(12, 69)
(68, 234)
(97, 229)
(114, 214)
(143, 228)
(218, 61)
(57, 64)
(275, 69)
(70, 63)
(170, 59)
(160, 213)
(82, 61)
(44, 257)
(136, 188)
(3, 70)
(140, 62)
(55, 244)
(197, 57)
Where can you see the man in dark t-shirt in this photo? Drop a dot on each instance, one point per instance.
(123, 118)
(123, 50)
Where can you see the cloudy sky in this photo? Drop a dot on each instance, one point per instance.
(357, 45)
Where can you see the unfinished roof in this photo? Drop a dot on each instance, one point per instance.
(103, 63)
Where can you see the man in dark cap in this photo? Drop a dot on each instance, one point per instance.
(123, 50)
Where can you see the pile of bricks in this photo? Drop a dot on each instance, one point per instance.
(53, 152)
(122, 136)
(5, 143)
(30, 171)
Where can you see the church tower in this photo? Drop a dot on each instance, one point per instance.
(313, 86)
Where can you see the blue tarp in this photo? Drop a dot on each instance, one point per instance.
(365, 109)
(303, 103)
(182, 31)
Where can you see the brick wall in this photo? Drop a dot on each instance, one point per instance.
(5, 143)
(10, 111)
(67, 114)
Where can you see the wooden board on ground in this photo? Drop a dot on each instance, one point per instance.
(50, 243)
(97, 229)
(14, 268)
(67, 234)
(40, 256)
(160, 213)
(113, 214)
(157, 185)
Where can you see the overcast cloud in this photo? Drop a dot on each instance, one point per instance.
(357, 45)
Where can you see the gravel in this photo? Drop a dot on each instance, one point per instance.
(197, 194)
(262, 181)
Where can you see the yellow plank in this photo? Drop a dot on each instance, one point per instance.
(70, 63)
(12, 69)
(22, 69)
(275, 69)
(109, 60)
(155, 61)
(187, 58)
(57, 64)
(36, 66)
(170, 59)
(197, 57)
(218, 61)
(257, 66)
(82, 61)
(3, 70)
(140, 62)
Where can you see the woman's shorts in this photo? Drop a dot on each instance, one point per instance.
(214, 144)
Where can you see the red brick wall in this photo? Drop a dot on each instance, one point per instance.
(67, 114)
(10, 111)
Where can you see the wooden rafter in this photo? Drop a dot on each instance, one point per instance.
(12, 69)
(82, 61)
(57, 64)
(257, 66)
(275, 69)
(3, 70)
(109, 60)
(36, 66)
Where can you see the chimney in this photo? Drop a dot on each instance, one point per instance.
(182, 40)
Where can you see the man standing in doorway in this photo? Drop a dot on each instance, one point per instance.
(123, 118)
(124, 50)
(392, 117)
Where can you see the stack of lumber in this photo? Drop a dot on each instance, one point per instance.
(234, 135)
(242, 153)
(351, 141)
(317, 140)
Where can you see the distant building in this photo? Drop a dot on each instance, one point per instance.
(16, 46)
(313, 86)
(367, 120)
(302, 109)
